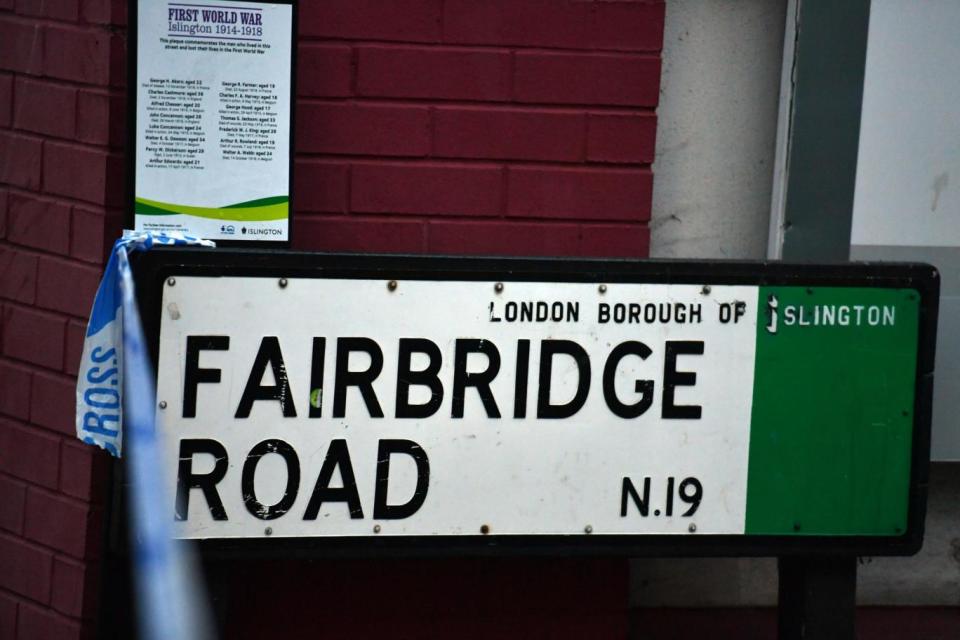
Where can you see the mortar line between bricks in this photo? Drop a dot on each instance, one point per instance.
(318, 216)
(78, 144)
(36, 546)
(492, 105)
(25, 483)
(59, 315)
(441, 161)
(615, 222)
(591, 51)
(77, 502)
(19, 598)
(63, 83)
(39, 252)
(57, 197)
(50, 20)
(29, 426)
(53, 137)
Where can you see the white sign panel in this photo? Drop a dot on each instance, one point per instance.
(213, 101)
(336, 407)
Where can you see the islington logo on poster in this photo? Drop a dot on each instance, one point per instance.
(351, 407)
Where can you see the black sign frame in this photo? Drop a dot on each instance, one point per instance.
(153, 268)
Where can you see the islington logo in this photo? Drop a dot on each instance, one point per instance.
(772, 317)
(260, 232)
(828, 315)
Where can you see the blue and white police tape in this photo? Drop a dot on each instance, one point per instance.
(100, 381)
(171, 602)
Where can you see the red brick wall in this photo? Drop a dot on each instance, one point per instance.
(519, 127)
(477, 126)
(60, 189)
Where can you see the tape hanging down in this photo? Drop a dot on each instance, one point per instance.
(172, 602)
(100, 382)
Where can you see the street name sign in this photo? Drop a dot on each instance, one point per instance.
(718, 408)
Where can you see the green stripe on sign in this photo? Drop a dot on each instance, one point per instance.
(831, 429)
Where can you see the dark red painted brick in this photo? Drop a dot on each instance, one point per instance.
(4, 200)
(321, 186)
(118, 119)
(87, 235)
(34, 336)
(359, 234)
(25, 570)
(363, 129)
(118, 61)
(104, 12)
(433, 72)
(21, 45)
(21, 159)
(15, 382)
(67, 286)
(75, 171)
(53, 402)
(627, 26)
(514, 134)
(582, 193)
(589, 78)
(39, 222)
(53, 521)
(404, 20)
(80, 55)
(621, 137)
(431, 188)
(502, 238)
(13, 497)
(44, 624)
(68, 587)
(324, 71)
(29, 454)
(60, 10)
(19, 269)
(76, 332)
(93, 117)
(8, 611)
(80, 474)
(530, 23)
(113, 222)
(6, 99)
(615, 240)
